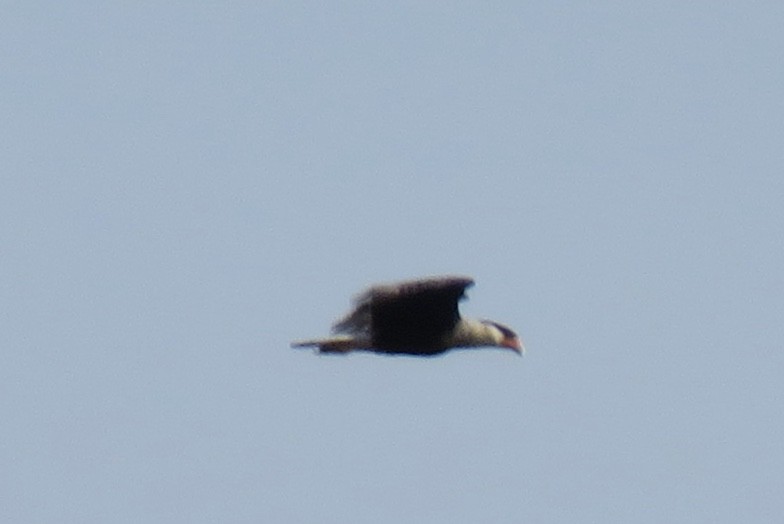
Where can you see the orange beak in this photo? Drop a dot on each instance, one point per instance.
(514, 344)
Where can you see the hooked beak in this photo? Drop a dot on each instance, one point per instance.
(514, 344)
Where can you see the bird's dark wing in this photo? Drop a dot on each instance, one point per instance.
(358, 320)
(414, 314)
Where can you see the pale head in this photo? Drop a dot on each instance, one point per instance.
(504, 337)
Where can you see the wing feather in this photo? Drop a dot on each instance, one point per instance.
(416, 313)
(410, 314)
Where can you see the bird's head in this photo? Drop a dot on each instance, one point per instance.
(504, 337)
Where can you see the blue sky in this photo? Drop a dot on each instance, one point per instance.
(187, 188)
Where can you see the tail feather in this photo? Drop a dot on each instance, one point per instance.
(336, 344)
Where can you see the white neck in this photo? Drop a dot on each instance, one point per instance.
(473, 333)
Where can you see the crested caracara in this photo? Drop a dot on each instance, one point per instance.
(416, 317)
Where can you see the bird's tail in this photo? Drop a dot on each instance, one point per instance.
(335, 344)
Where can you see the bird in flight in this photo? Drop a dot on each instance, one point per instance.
(415, 317)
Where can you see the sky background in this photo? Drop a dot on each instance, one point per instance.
(188, 187)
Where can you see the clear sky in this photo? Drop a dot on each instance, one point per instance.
(187, 188)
